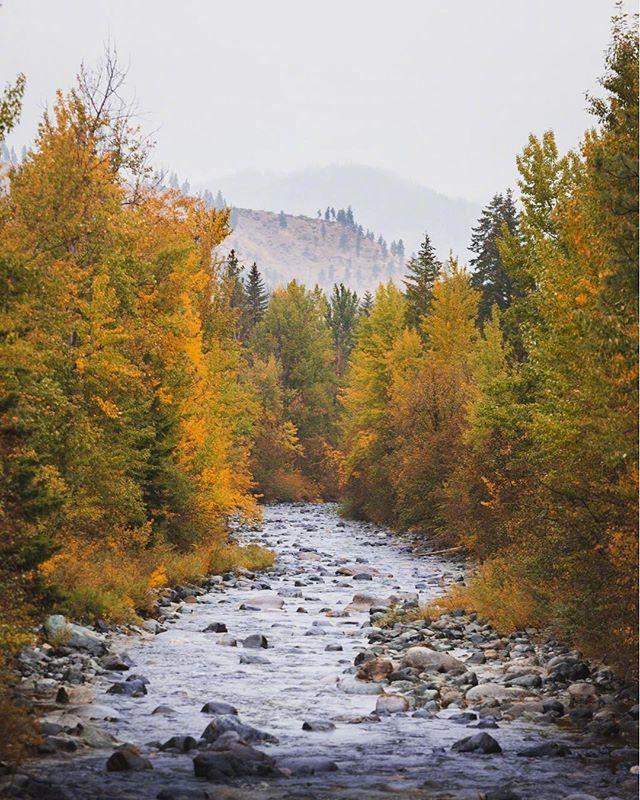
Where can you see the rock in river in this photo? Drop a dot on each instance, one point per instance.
(255, 641)
(127, 758)
(392, 704)
(228, 722)
(480, 742)
(217, 707)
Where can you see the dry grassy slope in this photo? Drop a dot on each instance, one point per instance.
(310, 250)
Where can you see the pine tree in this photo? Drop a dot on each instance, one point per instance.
(367, 304)
(490, 276)
(342, 315)
(257, 297)
(282, 219)
(422, 271)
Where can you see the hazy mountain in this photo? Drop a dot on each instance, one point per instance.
(311, 250)
(382, 201)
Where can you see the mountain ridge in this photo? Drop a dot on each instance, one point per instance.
(395, 206)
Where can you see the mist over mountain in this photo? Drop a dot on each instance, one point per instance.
(312, 250)
(386, 203)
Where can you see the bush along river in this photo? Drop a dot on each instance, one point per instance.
(284, 685)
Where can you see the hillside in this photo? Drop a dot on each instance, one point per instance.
(384, 202)
(311, 250)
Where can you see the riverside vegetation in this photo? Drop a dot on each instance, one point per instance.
(151, 393)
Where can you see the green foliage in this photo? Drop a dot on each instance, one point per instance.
(11, 105)
(294, 331)
(489, 274)
(518, 438)
(342, 316)
(422, 271)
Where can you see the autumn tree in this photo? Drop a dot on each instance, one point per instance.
(294, 331)
(367, 440)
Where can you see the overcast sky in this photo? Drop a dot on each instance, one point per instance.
(441, 91)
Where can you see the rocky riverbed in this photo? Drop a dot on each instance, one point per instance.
(285, 685)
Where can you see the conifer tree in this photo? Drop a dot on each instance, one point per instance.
(367, 304)
(342, 316)
(422, 271)
(490, 276)
(257, 297)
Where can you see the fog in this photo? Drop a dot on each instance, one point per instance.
(442, 93)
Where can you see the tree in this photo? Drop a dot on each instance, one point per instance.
(294, 330)
(422, 271)
(342, 316)
(11, 105)
(367, 304)
(282, 219)
(256, 297)
(366, 436)
(490, 276)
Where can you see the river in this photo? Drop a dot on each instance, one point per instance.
(398, 755)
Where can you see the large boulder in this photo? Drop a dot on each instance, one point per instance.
(427, 660)
(494, 691)
(224, 723)
(235, 762)
(61, 632)
(478, 743)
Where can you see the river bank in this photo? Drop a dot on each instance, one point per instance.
(329, 703)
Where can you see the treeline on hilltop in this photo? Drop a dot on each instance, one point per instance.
(149, 392)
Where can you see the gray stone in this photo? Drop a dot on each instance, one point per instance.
(479, 742)
(318, 725)
(61, 632)
(428, 660)
(217, 707)
(255, 641)
(548, 749)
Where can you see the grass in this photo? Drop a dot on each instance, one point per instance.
(118, 584)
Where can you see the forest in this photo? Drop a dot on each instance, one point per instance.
(152, 393)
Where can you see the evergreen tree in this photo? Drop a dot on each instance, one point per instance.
(422, 271)
(234, 292)
(327, 214)
(342, 316)
(367, 304)
(282, 219)
(257, 297)
(490, 277)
